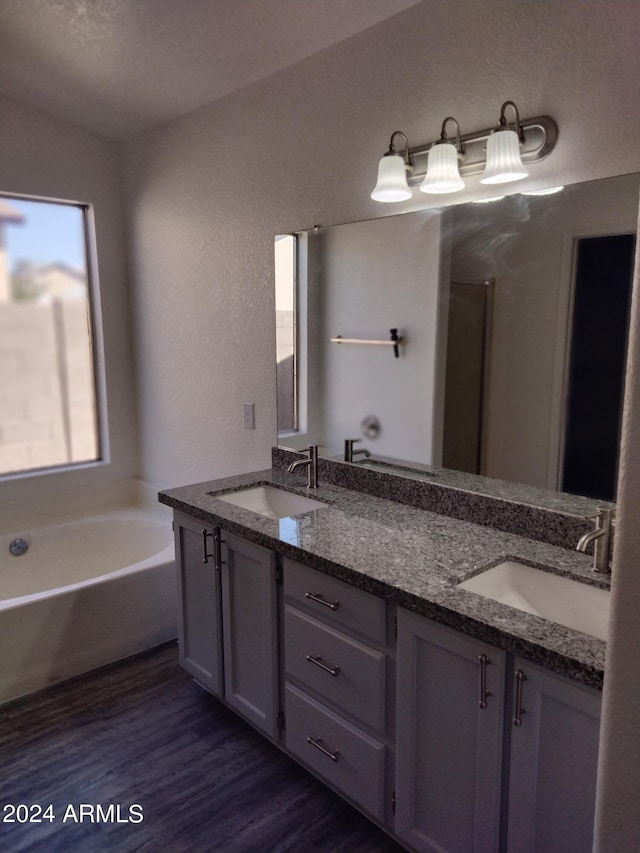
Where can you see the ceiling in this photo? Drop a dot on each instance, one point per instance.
(120, 67)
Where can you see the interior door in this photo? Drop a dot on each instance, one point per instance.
(465, 382)
(597, 362)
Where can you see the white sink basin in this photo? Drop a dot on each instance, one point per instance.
(271, 501)
(563, 600)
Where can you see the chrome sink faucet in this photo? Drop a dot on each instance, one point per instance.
(312, 466)
(349, 452)
(601, 536)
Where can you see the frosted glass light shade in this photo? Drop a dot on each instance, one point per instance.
(442, 170)
(503, 158)
(392, 180)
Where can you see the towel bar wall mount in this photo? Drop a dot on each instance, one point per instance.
(395, 340)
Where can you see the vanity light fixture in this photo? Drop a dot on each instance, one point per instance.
(499, 153)
(443, 175)
(504, 163)
(392, 173)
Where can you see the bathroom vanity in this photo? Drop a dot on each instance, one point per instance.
(454, 721)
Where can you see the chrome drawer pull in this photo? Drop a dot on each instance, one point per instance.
(519, 710)
(317, 596)
(319, 662)
(484, 693)
(317, 742)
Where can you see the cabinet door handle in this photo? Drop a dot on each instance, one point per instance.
(317, 596)
(484, 693)
(317, 742)
(519, 710)
(319, 662)
(217, 544)
(205, 554)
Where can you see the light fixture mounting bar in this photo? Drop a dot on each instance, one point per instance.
(539, 136)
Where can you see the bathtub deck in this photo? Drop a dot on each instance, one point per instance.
(142, 732)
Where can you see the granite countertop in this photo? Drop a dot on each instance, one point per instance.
(413, 557)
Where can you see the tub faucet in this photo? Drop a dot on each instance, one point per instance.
(349, 452)
(601, 536)
(312, 466)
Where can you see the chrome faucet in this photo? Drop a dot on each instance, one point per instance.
(349, 452)
(312, 466)
(605, 520)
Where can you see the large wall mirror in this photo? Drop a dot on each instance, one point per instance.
(514, 319)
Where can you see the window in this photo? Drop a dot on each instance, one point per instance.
(48, 410)
(286, 336)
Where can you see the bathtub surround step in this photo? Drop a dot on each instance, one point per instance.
(71, 504)
(141, 731)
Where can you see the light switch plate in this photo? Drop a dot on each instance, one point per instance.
(249, 415)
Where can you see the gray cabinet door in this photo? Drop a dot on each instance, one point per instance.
(449, 748)
(554, 755)
(249, 608)
(199, 623)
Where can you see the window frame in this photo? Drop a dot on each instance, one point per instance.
(297, 349)
(95, 331)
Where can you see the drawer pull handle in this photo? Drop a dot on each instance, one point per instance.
(317, 742)
(317, 596)
(519, 710)
(319, 662)
(484, 693)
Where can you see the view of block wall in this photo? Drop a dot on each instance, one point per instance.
(46, 385)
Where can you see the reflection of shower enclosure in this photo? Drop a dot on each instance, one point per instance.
(468, 341)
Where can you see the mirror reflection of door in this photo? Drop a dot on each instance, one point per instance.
(599, 327)
(466, 378)
(595, 383)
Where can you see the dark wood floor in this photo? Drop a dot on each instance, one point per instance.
(141, 732)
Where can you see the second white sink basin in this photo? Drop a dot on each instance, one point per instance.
(271, 501)
(563, 600)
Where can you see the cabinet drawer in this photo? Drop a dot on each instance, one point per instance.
(352, 762)
(342, 670)
(350, 608)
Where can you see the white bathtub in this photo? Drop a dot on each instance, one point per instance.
(87, 592)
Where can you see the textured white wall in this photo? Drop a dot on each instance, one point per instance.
(43, 156)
